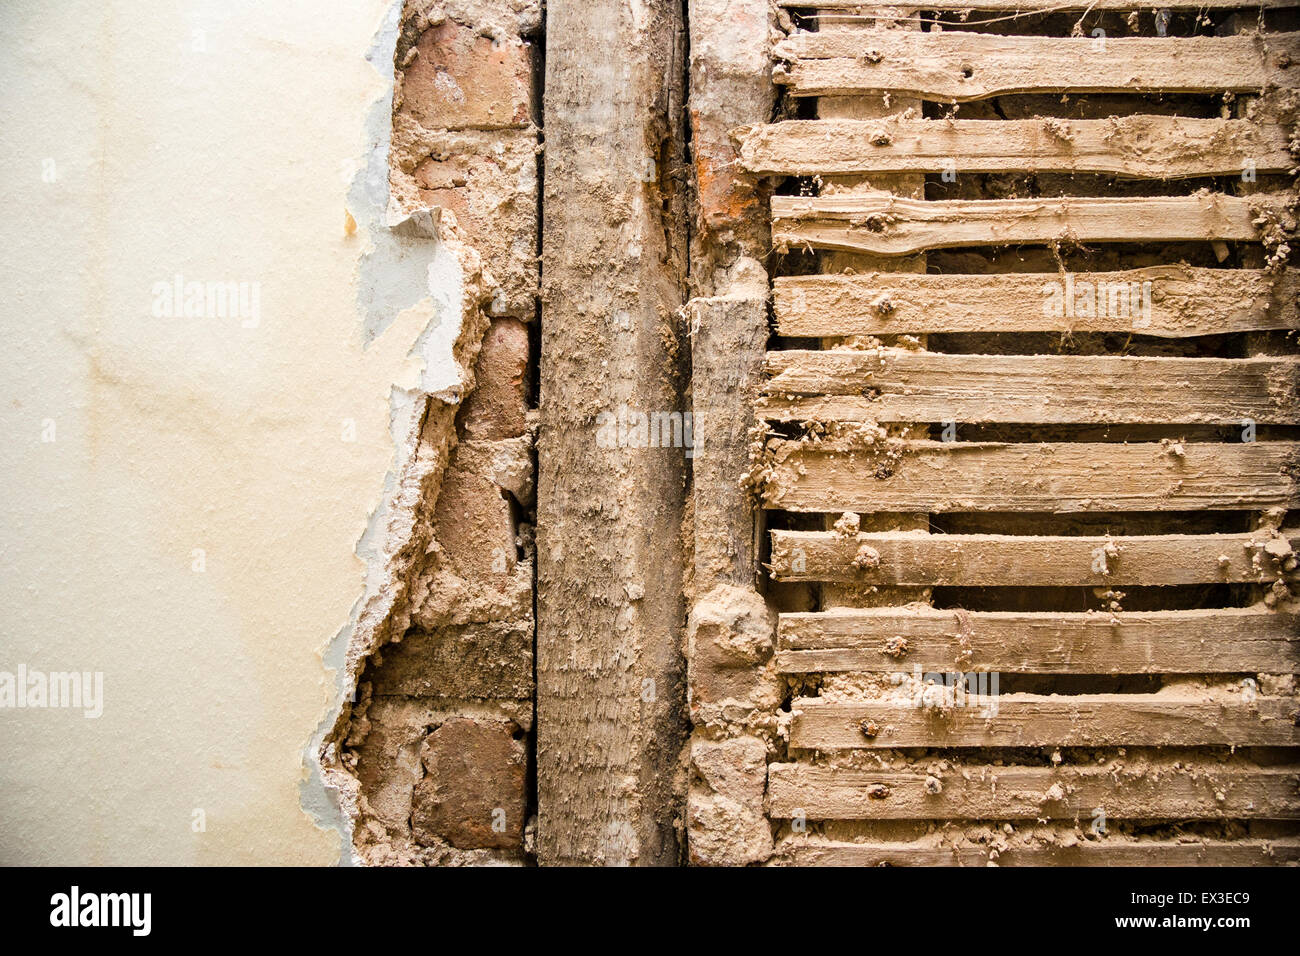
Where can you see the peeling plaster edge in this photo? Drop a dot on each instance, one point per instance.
(324, 794)
(396, 538)
(456, 283)
(330, 794)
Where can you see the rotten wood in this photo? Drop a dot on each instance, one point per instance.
(729, 335)
(873, 108)
(610, 579)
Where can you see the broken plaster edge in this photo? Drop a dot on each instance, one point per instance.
(447, 350)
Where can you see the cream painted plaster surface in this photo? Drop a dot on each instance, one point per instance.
(218, 141)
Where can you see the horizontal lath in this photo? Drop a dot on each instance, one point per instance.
(897, 640)
(919, 559)
(1050, 476)
(1048, 6)
(1184, 301)
(1157, 147)
(1026, 720)
(1147, 792)
(881, 223)
(1111, 851)
(898, 385)
(856, 468)
(955, 66)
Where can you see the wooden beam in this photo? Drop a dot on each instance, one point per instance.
(989, 560)
(883, 224)
(896, 640)
(1027, 720)
(958, 66)
(1157, 147)
(1185, 301)
(610, 605)
(898, 385)
(1160, 791)
(1112, 851)
(1059, 477)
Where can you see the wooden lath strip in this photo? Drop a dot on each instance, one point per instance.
(1112, 851)
(1157, 791)
(1058, 477)
(1048, 6)
(1184, 301)
(1155, 147)
(989, 560)
(1026, 720)
(955, 66)
(887, 386)
(899, 640)
(898, 385)
(883, 224)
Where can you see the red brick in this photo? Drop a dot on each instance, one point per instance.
(498, 406)
(459, 79)
(725, 197)
(474, 526)
(488, 180)
(472, 795)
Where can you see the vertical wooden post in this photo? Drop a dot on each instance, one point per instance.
(610, 605)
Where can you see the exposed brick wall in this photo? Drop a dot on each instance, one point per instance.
(472, 794)
(444, 716)
(464, 136)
